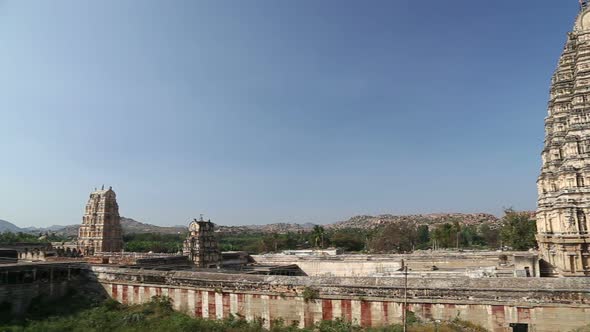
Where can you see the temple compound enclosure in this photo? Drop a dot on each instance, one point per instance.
(501, 291)
(497, 304)
(100, 230)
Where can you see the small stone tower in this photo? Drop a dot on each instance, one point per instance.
(101, 225)
(201, 245)
(564, 182)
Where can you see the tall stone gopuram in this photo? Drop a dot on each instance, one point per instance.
(201, 245)
(101, 225)
(564, 183)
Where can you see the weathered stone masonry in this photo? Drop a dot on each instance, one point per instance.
(493, 302)
(100, 230)
(21, 283)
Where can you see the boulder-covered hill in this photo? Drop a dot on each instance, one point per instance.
(280, 228)
(131, 226)
(372, 222)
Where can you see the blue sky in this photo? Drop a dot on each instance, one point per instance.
(273, 111)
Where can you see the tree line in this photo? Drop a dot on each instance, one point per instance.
(9, 238)
(516, 230)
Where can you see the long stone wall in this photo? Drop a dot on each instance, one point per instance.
(381, 265)
(550, 305)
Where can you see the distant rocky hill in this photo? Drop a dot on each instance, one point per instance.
(6, 226)
(371, 222)
(280, 228)
(131, 226)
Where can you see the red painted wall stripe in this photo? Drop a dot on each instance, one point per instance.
(327, 310)
(125, 299)
(114, 291)
(498, 311)
(365, 314)
(198, 304)
(427, 310)
(135, 294)
(212, 305)
(146, 294)
(346, 310)
(385, 308)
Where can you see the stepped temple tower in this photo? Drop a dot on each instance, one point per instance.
(101, 225)
(564, 183)
(201, 245)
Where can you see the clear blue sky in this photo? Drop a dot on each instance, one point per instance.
(270, 111)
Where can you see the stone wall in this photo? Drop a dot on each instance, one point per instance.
(22, 283)
(550, 305)
(448, 263)
(342, 266)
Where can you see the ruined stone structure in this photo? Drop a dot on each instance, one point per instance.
(434, 264)
(564, 183)
(201, 245)
(101, 227)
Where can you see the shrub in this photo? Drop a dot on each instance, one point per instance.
(310, 294)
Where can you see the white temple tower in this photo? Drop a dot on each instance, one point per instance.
(101, 225)
(564, 183)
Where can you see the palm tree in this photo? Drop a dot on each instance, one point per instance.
(318, 235)
(457, 230)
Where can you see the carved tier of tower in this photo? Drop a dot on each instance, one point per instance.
(101, 225)
(564, 183)
(201, 244)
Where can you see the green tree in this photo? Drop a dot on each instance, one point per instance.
(318, 235)
(518, 230)
(490, 235)
(456, 234)
(349, 240)
(395, 237)
(422, 237)
(12, 238)
(470, 237)
(154, 242)
(443, 235)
